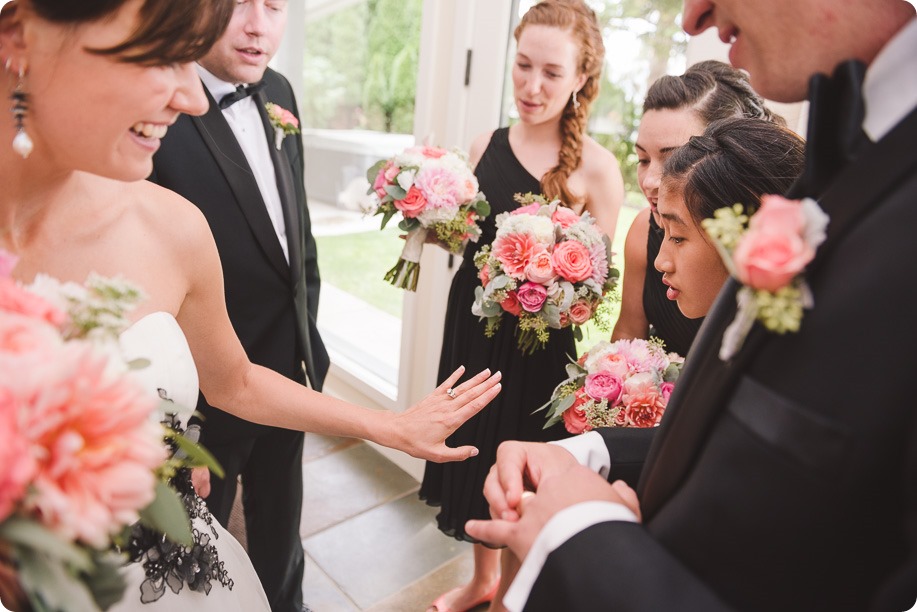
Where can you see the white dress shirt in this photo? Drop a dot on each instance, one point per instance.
(245, 122)
(890, 94)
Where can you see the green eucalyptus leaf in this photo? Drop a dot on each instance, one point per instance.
(167, 515)
(198, 456)
(373, 172)
(395, 191)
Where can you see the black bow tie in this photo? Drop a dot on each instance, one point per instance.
(835, 133)
(241, 92)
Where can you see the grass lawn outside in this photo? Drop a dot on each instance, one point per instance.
(356, 263)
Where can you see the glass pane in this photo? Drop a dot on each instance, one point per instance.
(360, 71)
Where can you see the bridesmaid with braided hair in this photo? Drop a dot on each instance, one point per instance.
(675, 108)
(555, 81)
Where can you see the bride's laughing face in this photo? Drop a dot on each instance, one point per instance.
(94, 112)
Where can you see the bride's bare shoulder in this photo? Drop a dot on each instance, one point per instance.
(166, 211)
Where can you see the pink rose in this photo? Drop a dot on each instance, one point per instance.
(565, 217)
(531, 296)
(575, 420)
(25, 341)
(665, 389)
(511, 304)
(484, 276)
(95, 445)
(580, 312)
(604, 385)
(572, 261)
(385, 177)
(515, 251)
(14, 298)
(412, 204)
(773, 250)
(644, 410)
(433, 152)
(540, 269)
(16, 463)
(7, 263)
(641, 383)
(529, 209)
(288, 118)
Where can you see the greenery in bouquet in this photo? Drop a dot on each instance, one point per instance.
(437, 196)
(80, 448)
(549, 267)
(615, 384)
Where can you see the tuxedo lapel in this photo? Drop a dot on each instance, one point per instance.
(224, 147)
(707, 382)
(286, 190)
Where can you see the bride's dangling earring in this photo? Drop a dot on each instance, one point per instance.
(575, 101)
(22, 143)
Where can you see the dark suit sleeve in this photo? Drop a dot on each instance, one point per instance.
(627, 447)
(618, 566)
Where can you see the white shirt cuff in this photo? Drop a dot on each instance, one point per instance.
(589, 450)
(560, 528)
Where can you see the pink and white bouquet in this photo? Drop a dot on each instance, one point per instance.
(548, 266)
(80, 446)
(436, 192)
(615, 384)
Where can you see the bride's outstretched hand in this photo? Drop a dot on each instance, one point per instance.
(424, 427)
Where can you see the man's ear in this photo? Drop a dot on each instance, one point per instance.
(12, 40)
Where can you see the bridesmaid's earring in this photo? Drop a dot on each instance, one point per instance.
(575, 101)
(22, 143)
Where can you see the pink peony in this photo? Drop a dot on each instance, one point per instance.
(580, 312)
(572, 261)
(17, 466)
(94, 442)
(615, 364)
(639, 384)
(531, 296)
(413, 203)
(515, 251)
(7, 263)
(511, 304)
(604, 385)
(565, 217)
(25, 342)
(529, 209)
(14, 298)
(385, 177)
(665, 389)
(484, 276)
(773, 250)
(540, 269)
(644, 410)
(441, 187)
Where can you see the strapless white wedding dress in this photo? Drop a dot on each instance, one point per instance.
(171, 375)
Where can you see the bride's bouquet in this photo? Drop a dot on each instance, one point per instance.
(81, 451)
(436, 193)
(615, 384)
(548, 266)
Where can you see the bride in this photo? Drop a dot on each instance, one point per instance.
(95, 85)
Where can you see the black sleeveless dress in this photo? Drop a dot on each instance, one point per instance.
(528, 380)
(666, 320)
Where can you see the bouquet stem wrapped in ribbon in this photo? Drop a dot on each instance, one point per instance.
(436, 193)
(615, 384)
(548, 266)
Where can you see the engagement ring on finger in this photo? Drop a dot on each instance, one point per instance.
(451, 392)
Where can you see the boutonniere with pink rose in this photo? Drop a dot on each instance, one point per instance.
(284, 122)
(615, 384)
(768, 253)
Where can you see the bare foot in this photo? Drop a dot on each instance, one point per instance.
(464, 598)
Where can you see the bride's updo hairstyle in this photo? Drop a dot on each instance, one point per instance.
(575, 17)
(713, 90)
(167, 32)
(734, 160)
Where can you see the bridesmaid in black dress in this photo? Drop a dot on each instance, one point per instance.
(675, 108)
(555, 79)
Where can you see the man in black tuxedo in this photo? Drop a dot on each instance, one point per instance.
(249, 184)
(786, 477)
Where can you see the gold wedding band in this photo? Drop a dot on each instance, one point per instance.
(451, 392)
(527, 494)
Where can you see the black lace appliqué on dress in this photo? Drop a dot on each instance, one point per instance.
(167, 564)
